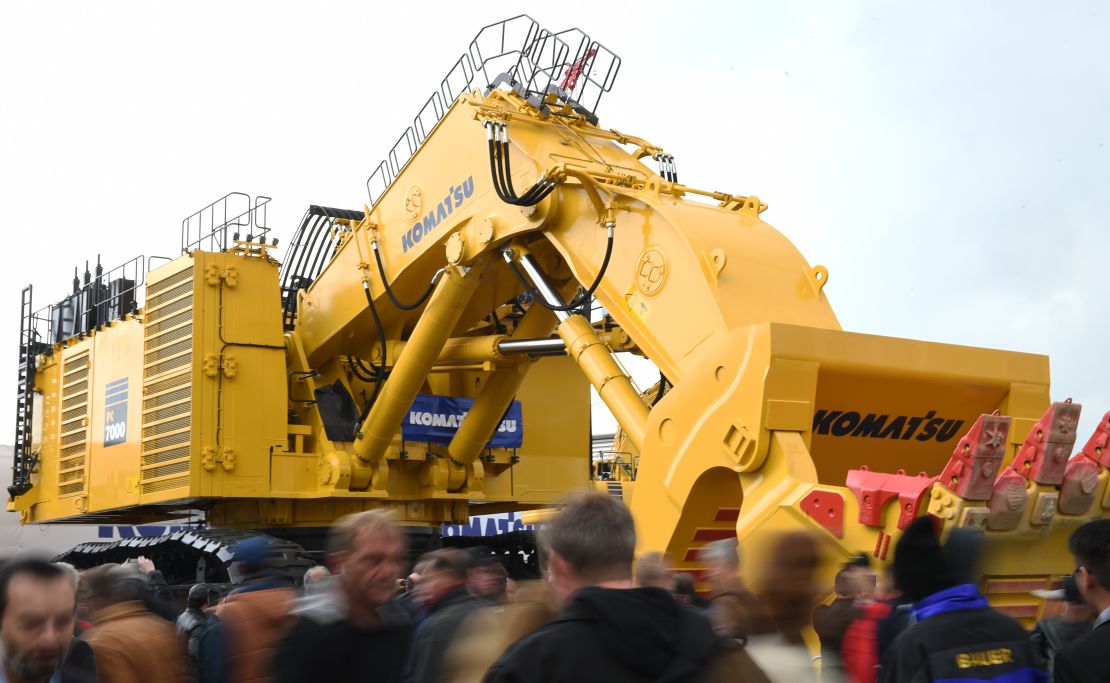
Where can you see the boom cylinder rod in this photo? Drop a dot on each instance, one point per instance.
(593, 357)
(419, 355)
(493, 347)
(532, 347)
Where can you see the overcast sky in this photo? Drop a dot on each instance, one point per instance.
(947, 161)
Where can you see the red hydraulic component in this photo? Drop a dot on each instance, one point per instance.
(1008, 501)
(971, 470)
(1046, 450)
(1078, 490)
(1098, 446)
(827, 509)
(874, 489)
(575, 70)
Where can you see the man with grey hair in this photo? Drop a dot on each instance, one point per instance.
(315, 578)
(351, 630)
(736, 612)
(607, 629)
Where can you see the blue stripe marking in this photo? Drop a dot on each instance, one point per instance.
(118, 382)
(116, 392)
(1023, 675)
(116, 400)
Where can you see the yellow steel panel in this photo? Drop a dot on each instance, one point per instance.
(117, 378)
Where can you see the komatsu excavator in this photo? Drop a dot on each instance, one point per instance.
(432, 353)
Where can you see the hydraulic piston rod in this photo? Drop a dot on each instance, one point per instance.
(592, 355)
(532, 347)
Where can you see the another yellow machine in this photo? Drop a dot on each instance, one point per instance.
(510, 249)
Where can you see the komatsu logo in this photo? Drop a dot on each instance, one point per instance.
(452, 421)
(454, 199)
(927, 427)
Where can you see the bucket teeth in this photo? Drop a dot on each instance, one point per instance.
(971, 471)
(1044, 455)
(1098, 446)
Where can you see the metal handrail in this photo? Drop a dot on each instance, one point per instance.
(517, 53)
(207, 229)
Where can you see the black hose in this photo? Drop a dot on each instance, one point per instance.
(295, 274)
(360, 371)
(389, 291)
(578, 301)
(493, 156)
(380, 380)
(663, 384)
(368, 371)
(321, 257)
(501, 172)
(535, 194)
(284, 275)
(309, 238)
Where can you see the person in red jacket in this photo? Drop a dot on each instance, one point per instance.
(859, 652)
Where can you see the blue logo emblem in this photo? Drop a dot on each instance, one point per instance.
(115, 412)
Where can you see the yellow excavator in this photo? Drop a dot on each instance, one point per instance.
(432, 353)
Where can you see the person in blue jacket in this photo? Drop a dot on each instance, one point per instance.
(956, 636)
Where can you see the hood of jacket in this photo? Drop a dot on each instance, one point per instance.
(962, 597)
(646, 630)
(327, 604)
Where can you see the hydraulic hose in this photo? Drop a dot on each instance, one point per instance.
(578, 301)
(501, 171)
(380, 379)
(389, 291)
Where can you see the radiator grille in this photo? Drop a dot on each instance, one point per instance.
(73, 401)
(156, 328)
(167, 384)
(167, 398)
(167, 456)
(154, 444)
(170, 350)
(165, 484)
(170, 411)
(171, 334)
(178, 467)
(184, 361)
(154, 388)
(75, 443)
(156, 288)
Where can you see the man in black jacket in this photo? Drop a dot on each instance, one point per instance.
(1086, 659)
(957, 635)
(444, 596)
(607, 630)
(1052, 634)
(351, 629)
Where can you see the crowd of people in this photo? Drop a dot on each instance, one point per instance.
(598, 614)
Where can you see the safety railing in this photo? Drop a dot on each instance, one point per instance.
(97, 299)
(541, 66)
(207, 229)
